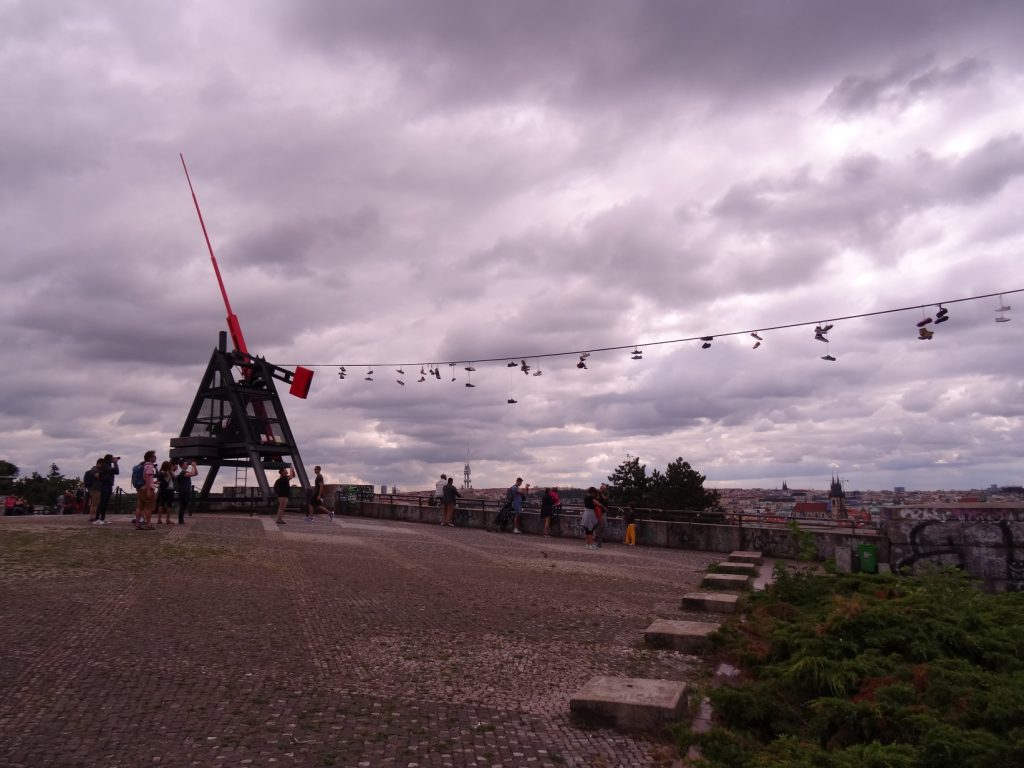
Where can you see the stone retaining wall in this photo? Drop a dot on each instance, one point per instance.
(707, 537)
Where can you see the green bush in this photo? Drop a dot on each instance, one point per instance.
(856, 670)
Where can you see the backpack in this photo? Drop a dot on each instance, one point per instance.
(138, 475)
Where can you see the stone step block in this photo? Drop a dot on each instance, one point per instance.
(712, 602)
(629, 703)
(745, 569)
(740, 556)
(684, 636)
(726, 581)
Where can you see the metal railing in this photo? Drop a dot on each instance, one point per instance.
(643, 513)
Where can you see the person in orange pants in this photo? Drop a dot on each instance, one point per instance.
(630, 539)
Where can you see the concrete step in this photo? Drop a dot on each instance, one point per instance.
(726, 581)
(740, 556)
(685, 636)
(629, 703)
(745, 569)
(712, 602)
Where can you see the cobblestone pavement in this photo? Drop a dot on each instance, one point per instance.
(230, 642)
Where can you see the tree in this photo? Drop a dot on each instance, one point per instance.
(680, 487)
(629, 482)
(44, 490)
(8, 474)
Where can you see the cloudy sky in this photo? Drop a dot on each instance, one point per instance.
(406, 184)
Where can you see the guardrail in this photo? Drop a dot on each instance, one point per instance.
(739, 519)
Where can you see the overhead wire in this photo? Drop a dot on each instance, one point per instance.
(663, 342)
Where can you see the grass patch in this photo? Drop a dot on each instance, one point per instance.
(857, 671)
(61, 552)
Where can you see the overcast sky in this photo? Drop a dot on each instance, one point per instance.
(435, 181)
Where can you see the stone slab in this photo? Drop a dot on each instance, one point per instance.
(713, 602)
(629, 703)
(741, 556)
(684, 636)
(745, 569)
(726, 581)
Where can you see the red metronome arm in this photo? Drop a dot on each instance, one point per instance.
(303, 376)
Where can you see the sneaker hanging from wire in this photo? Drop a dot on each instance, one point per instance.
(924, 334)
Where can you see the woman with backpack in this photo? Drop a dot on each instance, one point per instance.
(164, 493)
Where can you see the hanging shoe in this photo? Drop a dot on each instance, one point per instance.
(511, 364)
(707, 341)
(421, 378)
(941, 313)
(829, 358)
(470, 368)
(823, 328)
(512, 402)
(470, 384)
(400, 371)
(399, 381)
(924, 334)
(924, 322)
(941, 319)
(1002, 319)
(538, 372)
(524, 367)
(581, 364)
(757, 336)
(820, 336)
(756, 345)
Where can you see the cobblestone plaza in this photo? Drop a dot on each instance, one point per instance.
(231, 641)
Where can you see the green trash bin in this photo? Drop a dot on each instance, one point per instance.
(867, 554)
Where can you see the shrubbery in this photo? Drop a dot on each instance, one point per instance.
(858, 671)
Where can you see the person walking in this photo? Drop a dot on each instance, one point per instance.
(283, 491)
(165, 493)
(186, 471)
(517, 494)
(314, 501)
(448, 497)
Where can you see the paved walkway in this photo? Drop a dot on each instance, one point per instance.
(231, 641)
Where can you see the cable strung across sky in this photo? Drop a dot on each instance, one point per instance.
(821, 327)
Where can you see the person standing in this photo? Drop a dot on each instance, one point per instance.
(589, 519)
(315, 500)
(283, 491)
(108, 468)
(601, 510)
(165, 493)
(185, 474)
(91, 479)
(630, 539)
(147, 492)
(517, 494)
(448, 497)
(547, 509)
(439, 489)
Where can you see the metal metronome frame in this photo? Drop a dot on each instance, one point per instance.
(240, 422)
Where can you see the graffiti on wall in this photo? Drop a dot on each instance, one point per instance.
(992, 551)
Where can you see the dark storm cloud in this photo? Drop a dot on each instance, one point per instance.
(453, 53)
(865, 199)
(903, 84)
